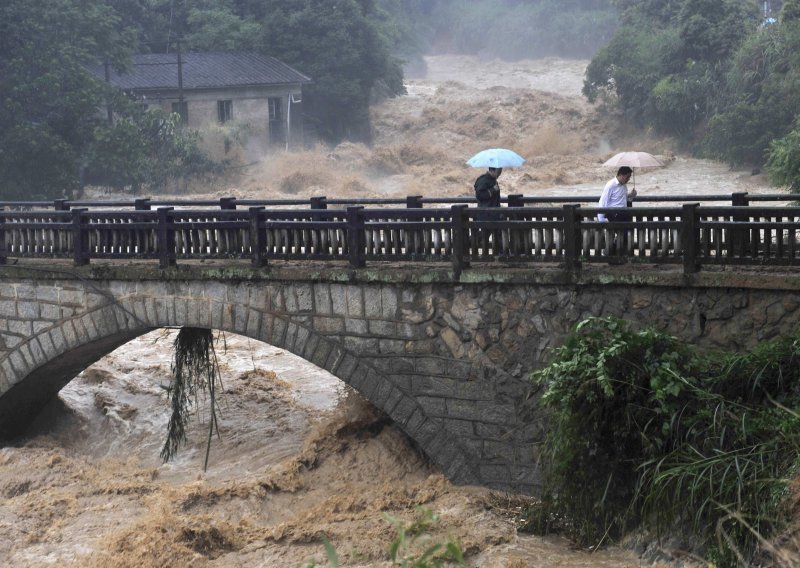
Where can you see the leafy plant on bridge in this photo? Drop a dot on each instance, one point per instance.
(195, 373)
(647, 431)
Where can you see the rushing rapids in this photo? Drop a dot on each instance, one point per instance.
(299, 456)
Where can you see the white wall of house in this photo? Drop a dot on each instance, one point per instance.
(250, 118)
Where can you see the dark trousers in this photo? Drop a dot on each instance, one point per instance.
(620, 244)
(492, 238)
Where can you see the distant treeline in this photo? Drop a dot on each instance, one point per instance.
(518, 29)
(721, 75)
(712, 72)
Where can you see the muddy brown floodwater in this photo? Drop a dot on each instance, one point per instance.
(299, 455)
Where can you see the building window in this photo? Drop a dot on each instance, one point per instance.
(181, 108)
(274, 108)
(277, 132)
(225, 110)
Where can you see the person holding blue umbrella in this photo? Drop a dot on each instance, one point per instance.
(487, 190)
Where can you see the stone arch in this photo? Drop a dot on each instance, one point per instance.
(38, 368)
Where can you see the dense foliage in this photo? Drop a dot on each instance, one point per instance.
(144, 149)
(715, 73)
(49, 100)
(341, 47)
(784, 160)
(649, 432)
(53, 133)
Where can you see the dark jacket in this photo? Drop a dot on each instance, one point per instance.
(487, 191)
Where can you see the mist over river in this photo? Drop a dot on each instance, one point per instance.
(299, 454)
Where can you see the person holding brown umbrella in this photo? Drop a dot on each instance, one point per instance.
(616, 194)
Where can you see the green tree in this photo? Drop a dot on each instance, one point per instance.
(761, 96)
(408, 30)
(629, 68)
(144, 148)
(50, 100)
(339, 45)
(711, 30)
(783, 162)
(665, 64)
(790, 11)
(220, 28)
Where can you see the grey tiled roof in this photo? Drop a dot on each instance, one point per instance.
(204, 71)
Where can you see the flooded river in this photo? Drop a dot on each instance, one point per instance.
(299, 455)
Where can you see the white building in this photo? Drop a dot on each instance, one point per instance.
(251, 90)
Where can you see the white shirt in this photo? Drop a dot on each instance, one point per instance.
(615, 194)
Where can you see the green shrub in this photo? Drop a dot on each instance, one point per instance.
(783, 160)
(650, 432)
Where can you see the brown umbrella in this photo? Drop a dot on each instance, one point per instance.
(633, 160)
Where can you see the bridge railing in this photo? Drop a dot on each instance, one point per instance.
(411, 202)
(690, 235)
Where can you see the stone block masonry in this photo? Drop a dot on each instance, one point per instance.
(447, 360)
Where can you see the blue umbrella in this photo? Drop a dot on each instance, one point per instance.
(496, 158)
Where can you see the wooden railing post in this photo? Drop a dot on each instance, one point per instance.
(3, 249)
(460, 235)
(258, 238)
(80, 238)
(740, 239)
(413, 202)
(142, 204)
(516, 200)
(572, 237)
(690, 237)
(739, 199)
(355, 236)
(166, 237)
(319, 202)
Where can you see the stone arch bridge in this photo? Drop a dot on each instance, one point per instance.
(446, 359)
